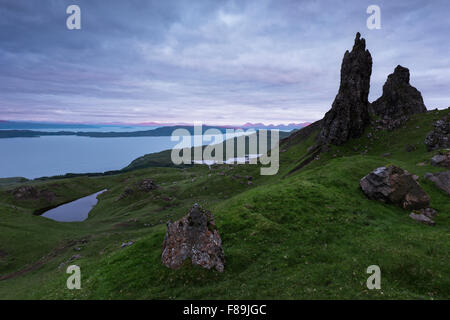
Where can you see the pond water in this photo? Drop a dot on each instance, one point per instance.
(77, 210)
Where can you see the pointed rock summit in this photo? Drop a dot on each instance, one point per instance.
(399, 99)
(349, 114)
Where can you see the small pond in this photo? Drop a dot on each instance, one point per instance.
(77, 210)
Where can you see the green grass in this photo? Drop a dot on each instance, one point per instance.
(306, 235)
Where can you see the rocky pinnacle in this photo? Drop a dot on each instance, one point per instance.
(399, 99)
(349, 114)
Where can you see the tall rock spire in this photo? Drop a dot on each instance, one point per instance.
(349, 114)
(399, 99)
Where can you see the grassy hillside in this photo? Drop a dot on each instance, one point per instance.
(309, 234)
(163, 158)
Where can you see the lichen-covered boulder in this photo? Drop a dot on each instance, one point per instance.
(194, 237)
(395, 185)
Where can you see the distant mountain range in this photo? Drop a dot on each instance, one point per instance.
(289, 126)
(30, 125)
(158, 132)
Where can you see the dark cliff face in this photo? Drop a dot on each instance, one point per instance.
(349, 114)
(399, 99)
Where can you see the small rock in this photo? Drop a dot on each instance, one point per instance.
(422, 218)
(75, 257)
(429, 212)
(421, 164)
(410, 148)
(441, 160)
(127, 244)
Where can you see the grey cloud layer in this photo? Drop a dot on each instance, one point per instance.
(214, 61)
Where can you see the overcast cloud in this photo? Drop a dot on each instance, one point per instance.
(221, 62)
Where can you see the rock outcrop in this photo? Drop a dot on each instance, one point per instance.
(349, 116)
(439, 138)
(399, 100)
(395, 185)
(441, 180)
(193, 237)
(31, 193)
(147, 185)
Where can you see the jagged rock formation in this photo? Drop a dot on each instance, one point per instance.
(349, 116)
(194, 236)
(441, 180)
(395, 185)
(439, 138)
(399, 100)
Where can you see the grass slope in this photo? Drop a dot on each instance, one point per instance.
(306, 235)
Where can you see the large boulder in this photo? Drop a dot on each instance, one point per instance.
(194, 236)
(348, 116)
(439, 138)
(441, 180)
(399, 99)
(395, 185)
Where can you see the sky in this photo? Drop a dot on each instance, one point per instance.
(214, 61)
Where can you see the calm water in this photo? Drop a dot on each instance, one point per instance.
(49, 156)
(77, 210)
